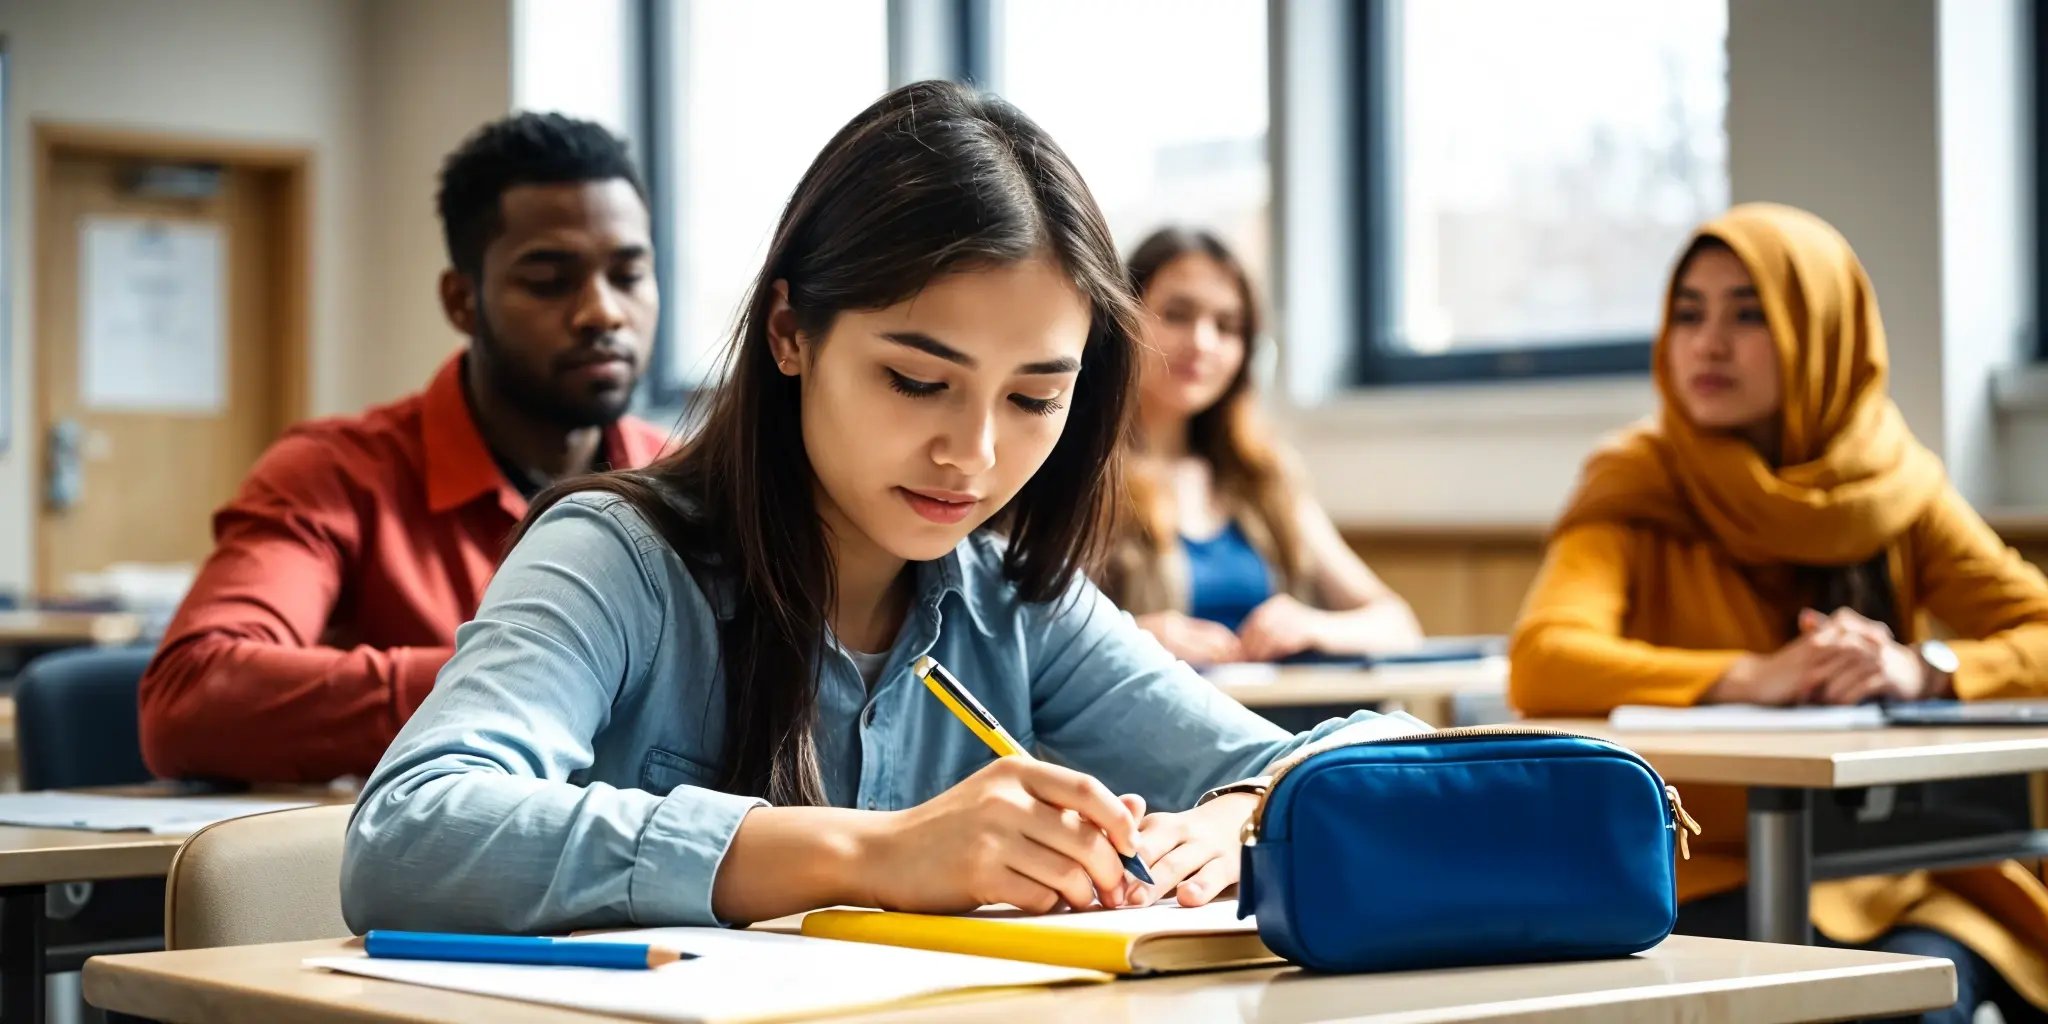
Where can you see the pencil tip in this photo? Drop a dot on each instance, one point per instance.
(1137, 870)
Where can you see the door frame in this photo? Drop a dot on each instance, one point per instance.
(289, 166)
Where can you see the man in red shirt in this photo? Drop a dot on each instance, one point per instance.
(357, 545)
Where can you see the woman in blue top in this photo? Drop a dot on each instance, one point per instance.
(686, 698)
(1227, 557)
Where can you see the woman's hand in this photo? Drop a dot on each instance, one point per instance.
(1028, 833)
(1842, 658)
(1197, 851)
(1198, 642)
(1280, 627)
(1860, 661)
(1782, 677)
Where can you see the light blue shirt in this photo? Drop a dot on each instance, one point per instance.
(558, 776)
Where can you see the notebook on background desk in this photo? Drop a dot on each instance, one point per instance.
(1430, 651)
(165, 815)
(1956, 712)
(1826, 718)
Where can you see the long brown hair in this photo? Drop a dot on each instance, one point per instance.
(1231, 435)
(930, 180)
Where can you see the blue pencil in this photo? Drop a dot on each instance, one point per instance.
(516, 949)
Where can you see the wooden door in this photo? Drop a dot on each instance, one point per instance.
(146, 471)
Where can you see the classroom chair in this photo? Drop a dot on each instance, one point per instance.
(272, 877)
(75, 718)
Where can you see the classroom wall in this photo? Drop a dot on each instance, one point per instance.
(435, 72)
(380, 90)
(187, 67)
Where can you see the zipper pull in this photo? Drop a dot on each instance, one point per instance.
(1681, 822)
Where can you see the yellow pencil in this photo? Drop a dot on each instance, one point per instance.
(990, 731)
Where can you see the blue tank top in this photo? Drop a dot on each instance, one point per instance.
(1226, 576)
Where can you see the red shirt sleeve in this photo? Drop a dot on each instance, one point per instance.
(242, 688)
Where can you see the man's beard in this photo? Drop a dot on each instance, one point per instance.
(543, 396)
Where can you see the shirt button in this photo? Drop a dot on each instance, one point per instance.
(868, 717)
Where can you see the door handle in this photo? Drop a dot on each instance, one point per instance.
(64, 465)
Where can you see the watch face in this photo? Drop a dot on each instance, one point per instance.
(1940, 656)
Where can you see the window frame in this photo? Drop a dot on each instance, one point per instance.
(2038, 85)
(963, 26)
(1379, 359)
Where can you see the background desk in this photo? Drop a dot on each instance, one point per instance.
(28, 628)
(33, 858)
(1783, 769)
(1425, 691)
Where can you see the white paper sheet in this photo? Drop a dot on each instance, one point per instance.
(1745, 718)
(167, 815)
(151, 329)
(738, 976)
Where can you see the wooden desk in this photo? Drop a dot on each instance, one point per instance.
(68, 629)
(1685, 979)
(1783, 769)
(33, 858)
(1424, 690)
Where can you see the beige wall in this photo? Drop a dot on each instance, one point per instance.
(435, 71)
(379, 90)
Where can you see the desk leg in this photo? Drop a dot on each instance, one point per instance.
(1780, 865)
(21, 954)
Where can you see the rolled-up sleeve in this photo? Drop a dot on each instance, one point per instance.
(476, 819)
(1109, 700)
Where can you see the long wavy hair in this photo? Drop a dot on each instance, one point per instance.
(1231, 435)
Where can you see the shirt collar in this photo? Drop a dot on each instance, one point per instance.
(948, 574)
(460, 468)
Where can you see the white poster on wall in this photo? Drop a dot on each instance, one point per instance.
(152, 337)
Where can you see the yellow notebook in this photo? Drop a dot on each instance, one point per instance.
(1141, 940)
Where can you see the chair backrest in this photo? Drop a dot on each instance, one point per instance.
(273, 877)
(75, 718)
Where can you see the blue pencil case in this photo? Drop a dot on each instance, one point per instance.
(1485, 845)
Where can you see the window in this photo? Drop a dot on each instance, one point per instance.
(1162, 104)
(576, 57)
(1530, 172)
(2038, 25)
(743, 96)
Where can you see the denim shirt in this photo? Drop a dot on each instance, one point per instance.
(560, 775)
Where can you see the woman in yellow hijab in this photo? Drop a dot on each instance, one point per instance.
(1777, 536)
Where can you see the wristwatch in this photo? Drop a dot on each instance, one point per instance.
(1940, 659)
(1254, 785)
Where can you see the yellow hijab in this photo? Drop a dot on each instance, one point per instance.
(1851, 478)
